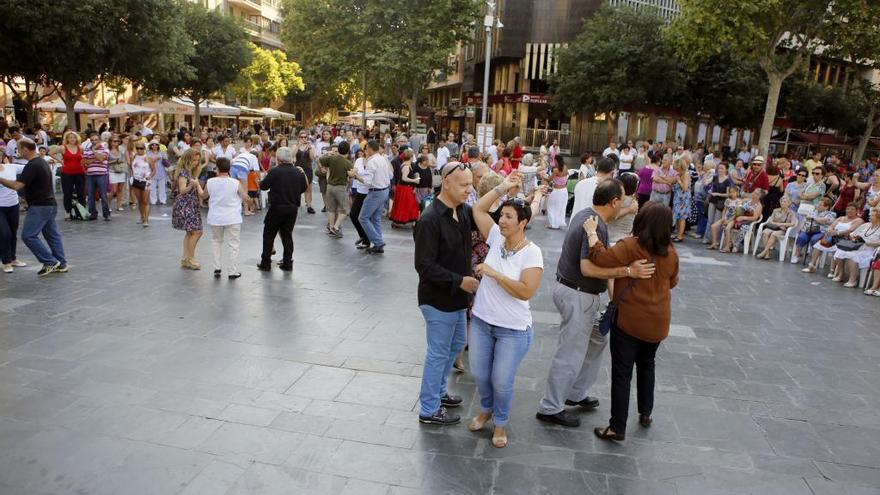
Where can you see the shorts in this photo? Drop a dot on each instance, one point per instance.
(138, 184)
(337, 199)
(310, 174)
(254, 194)
(117, 178)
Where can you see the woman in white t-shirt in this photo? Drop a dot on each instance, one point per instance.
(225, 196)
(501, 328)
(9, 216)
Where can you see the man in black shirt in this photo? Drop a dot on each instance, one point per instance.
(286, 185)
(36, 180)
(443, 261)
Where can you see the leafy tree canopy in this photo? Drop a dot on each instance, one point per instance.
(268, 77)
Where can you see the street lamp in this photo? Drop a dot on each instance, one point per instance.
(488, 22)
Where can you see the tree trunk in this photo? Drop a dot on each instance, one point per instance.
(69, 103)
(872, 121)
(412, 104)
(776, 80)
(197, 114)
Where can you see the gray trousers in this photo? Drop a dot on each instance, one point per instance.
(578, 357)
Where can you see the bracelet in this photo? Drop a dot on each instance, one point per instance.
(628, 275)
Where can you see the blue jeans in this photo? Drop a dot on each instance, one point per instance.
(446, 334)
(371, 216)
(495, 354)
(701, 217)
(99, 183)
(42, 219)
(804, 239)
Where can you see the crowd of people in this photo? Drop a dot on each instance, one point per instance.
(470, 210)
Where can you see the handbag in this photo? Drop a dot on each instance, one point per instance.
(849, 245)
(609, 317)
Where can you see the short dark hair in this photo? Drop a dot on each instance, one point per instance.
(373, 145)
(652, 228)
(473, 152)
(343, 147)
(607, 191)
(27, 143)
(14, 129)
(523, 209)
(605, 165)
(223, 164)
(560, 163)
(630, 183)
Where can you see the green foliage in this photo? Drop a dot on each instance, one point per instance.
(619, 59)
(810, 106)
(74, 44)
(220, 51)
(268, 77)
(729, 89)
(396, 43)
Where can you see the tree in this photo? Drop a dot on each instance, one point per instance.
(101, 38)
(780, 35)
(811, 106)
(220, 51)
(858, 40)
(620, 59)
(388, 43)
(268, 77)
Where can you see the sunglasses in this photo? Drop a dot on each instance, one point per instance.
(817, 173)
(452, 167)
(802, 175)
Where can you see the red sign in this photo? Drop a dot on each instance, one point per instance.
(539, 98)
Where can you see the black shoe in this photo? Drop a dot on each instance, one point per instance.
(450, 400)
(106, 219)
(328, 229)
(324, 210)
(216, 273)
(233, 276)
(91, 219)
(310, 210)
(376, 250)
(441, 417)
(561, 418)
(337, 233)
(264, 268)
(60, 269)
(587, 403)
(287, 267)
(362, 244)
(47, 269)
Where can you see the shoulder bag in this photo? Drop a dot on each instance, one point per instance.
(609, 317)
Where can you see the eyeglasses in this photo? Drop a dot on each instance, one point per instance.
(452, 167)
(817, 173)
(802, 175)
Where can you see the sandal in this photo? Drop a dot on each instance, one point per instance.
(724, 250)
(607, 434)
(477, 425)
(499, 441)
(809, 269)
(645, 420)
(712, 246)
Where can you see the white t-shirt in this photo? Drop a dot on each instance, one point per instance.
(583, 194)
(442, 156)
(493, 153)
(609, 150)
(224, 203)
(182, 146)
(493, 304)
(229, 153)
(626, 160)
(8, 197)
(359, 186)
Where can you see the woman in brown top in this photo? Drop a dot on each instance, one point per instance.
(644, 310)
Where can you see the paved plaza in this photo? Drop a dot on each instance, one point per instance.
(131, 376)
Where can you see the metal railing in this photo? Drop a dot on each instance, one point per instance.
(253, 26)
(534, 138)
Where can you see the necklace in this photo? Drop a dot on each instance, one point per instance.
(506, 253)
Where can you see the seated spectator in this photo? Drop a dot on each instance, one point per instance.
(794, 189)
(841, 228)
(731, 206)
(774, 230)
(814, 227)
(874, 289)
(747, 214)
(865, 239)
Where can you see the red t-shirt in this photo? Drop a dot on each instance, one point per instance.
(72, 162)
(753, 181)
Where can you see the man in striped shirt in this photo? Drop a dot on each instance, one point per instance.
(97, 175)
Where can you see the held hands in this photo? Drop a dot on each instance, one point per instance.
(470, 284)
(641, 269)
(512, 183)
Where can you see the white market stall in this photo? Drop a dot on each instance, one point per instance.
(80, 107)
(182, 106)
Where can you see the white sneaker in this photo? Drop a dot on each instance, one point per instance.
(871, 292)
(795, 261)
(831, 275)
(8, 269)
(837, 279)
(18, 264)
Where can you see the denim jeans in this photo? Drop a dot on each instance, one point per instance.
(8, 233)
(42, 219)
(370, 216)
(804, 239)
(446, 334)
(98, 183)
(700, 205)
(495, 354)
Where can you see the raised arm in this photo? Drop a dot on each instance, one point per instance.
(481, 209)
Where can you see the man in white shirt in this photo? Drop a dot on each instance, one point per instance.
(377, 176)
(627, 156)
(744, 155)
(583, 191)
(12, 146)
(442, 153)
(612, 148)
(493, 151)
(224, 148)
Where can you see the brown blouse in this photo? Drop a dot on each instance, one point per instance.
(645, 310)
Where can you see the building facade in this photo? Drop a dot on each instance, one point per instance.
(261, 18)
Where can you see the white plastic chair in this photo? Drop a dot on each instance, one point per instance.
(747, 238)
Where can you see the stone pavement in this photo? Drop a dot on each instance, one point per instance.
(131, 376)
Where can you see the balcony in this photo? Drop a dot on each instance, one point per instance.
(252, 27)
(247, 5)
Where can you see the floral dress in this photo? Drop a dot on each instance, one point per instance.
(681, 203)
(186, 214)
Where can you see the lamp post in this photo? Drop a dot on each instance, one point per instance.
(488, 22)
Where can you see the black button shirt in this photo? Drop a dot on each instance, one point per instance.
(285, 184)
(443, 256)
